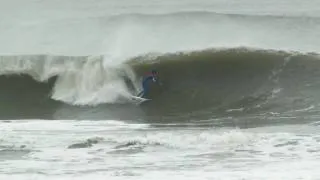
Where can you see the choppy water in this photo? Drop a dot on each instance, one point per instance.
(239, 98)
(113, 149)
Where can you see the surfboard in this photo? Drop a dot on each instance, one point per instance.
(139, 100)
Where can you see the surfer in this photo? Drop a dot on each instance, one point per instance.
(151, 76)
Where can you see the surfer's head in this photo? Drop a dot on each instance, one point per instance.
(154, 72)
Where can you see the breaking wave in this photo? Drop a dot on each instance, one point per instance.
(213, 80)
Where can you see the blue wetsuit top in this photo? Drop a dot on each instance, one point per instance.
(148, 78)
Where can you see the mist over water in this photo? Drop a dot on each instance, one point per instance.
(137, 32)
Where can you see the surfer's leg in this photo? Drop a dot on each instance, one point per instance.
(145, 90)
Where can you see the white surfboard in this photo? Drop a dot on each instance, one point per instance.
(139, 100)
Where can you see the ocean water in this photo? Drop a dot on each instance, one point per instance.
(239, 98)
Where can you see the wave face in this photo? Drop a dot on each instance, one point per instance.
(235, 80)
(198, 84)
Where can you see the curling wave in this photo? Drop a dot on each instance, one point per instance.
(206, 82)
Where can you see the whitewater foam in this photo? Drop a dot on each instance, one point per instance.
(175, 152)
(80, 80)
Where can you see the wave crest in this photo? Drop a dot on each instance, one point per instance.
(82, 80)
